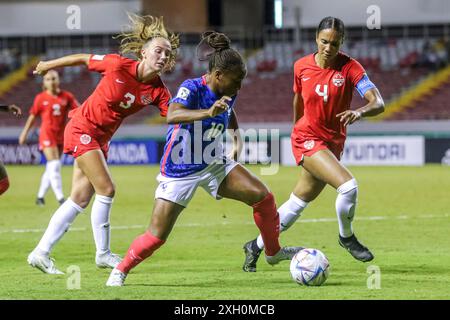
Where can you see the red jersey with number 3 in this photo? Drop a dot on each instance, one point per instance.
(53, 111)
(325, 93)
(118, 95)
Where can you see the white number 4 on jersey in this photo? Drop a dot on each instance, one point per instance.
(323, 93)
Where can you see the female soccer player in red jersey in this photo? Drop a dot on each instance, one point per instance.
(127, 86)
(52, 105)
(323, 89)
(204, 107)
(4, 180)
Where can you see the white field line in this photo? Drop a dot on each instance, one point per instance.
(190, 225)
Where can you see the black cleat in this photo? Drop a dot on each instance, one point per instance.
(40, 202)
(356, 249)
(61, 201)
(252, 253)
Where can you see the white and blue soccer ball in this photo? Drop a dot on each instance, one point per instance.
(309, 267)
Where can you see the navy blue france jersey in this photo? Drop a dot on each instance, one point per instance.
(191, 147)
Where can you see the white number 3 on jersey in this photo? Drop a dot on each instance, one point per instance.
(130, 99)
(323, 93)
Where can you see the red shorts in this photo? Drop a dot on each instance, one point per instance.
(78, 141)
(47, 141)
(307, 146)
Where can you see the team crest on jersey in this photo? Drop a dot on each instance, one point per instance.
(146, 99)
(309, 144)
(85, 139)
(183, 93)
(338, 80)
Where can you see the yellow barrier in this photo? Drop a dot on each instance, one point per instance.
(17, 76)
(415, 93)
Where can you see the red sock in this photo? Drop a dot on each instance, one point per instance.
(268, 221)
(4, 185)
(141, 248)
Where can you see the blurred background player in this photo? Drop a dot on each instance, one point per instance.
(127, 86)
(4, 180)
(203, 108)
(323, 90)
(52, 106)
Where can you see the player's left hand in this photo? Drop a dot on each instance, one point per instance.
(15, 110)
(349, 116)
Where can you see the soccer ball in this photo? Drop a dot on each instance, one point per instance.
(309, 267)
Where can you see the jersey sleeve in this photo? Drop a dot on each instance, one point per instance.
(186, 94)
(35, 108)
(103, 63)
(356, 72)
(163, 102)
(297, 88)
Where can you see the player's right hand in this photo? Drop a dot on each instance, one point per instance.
(220, 106)
(41, 68)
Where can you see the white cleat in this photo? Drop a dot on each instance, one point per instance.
(43, 263)
(116, 278)
(107, 260)
(285, 253)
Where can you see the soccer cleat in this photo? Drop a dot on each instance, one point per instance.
(107, 260)
(40, 202)
(116, 278)
(356, 249)
(43, 263)
(285, 253)
(252, 253)
(61, 201)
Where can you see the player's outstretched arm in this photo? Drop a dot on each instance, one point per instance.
(15, 110)
(374, 107)
(24, 134)
(67, 61)
(178, 113)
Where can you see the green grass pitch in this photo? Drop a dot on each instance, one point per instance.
(403, 216)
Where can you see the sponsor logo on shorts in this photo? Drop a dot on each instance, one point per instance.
(85, 139)
(309, 144)
(338, 80)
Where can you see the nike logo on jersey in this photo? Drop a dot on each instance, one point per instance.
(119, 81)
(305, 79)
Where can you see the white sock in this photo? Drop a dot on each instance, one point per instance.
(54, 174)
(345, 207)
(100, 223)
(58, 225)
(289, 212)
(45, 184)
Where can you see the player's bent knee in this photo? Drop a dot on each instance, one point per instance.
(4, 185)
(349, 189)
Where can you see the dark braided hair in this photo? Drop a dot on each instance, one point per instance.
(215, 47)
(332, 23)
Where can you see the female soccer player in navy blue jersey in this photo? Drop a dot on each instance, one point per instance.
(199, 114)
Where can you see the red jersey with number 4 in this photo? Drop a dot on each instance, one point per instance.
(325, 93)
(53, 111)
(118, 95)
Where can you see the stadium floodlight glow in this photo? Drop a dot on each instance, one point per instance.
(278, 9)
